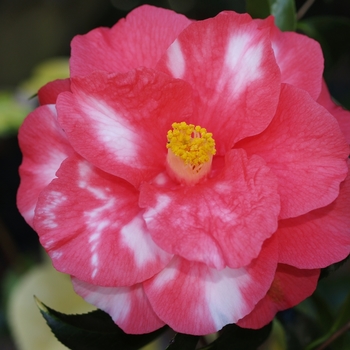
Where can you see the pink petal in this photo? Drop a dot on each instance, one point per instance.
(193, 298)
(342, 115)
(44, 146)
(220, 222)
(305, 149)
(91, 226)
(119, 122)
(299, 58)
(230, 64)
(49, 92)
(128, 306)
(138, 40)
(319, 238)
(289, 287)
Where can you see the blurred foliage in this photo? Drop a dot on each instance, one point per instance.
(282, 10)
(13, 109)
(15, 105)
(46, 71)
(333, 34)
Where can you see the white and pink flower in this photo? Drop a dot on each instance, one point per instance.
(229, 221)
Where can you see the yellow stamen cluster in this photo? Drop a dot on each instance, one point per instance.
(193, 144)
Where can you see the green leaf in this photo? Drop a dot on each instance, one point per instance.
(342, 318)
(299, 328)
(284, 13)
(324, 313)
(258, 8)
(282, 10)
(235, 337)
(331, 32)
(92, 331)
(12, 112)
(325, 272)
(48, 70)
(183, 342)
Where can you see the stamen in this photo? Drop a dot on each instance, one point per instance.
(190, 152)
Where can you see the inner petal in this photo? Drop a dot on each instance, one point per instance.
(220, 222)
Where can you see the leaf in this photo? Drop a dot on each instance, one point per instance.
(92, 331)
(12, 112)
(48, 70)
(323, 311)
(342, 318)
(235, 337)
(325, 272)
(258, 8)
(282, 10)
(183, 342)
(284, 13)
(331, 32)
(299, 328)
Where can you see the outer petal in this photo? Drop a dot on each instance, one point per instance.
(289, 287)
(230, 64)
(44, 146)
(119, 122)
(305, 149)
(138, 40)
(342, 116)
(221, 222)
(128, 306)
(299, 58)
(193, 298)
(91, 226)
(49, 92)
(319, 238)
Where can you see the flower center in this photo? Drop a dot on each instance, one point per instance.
(190, 152)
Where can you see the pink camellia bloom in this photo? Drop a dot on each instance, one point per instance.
(189, 173)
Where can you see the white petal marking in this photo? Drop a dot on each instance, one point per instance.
(56, 255)
(275, 48)
(94, 237)
(167, 275)
(97, 224)
(176, 60)
(84, 173)
(160, 179)
(136, 237)
(122, 298)
(94, 263)
(223, 188)
(52, 108)
(50, 243)
(113, 130)
(225, 215)
(116, 300)
(30, 212)
(243, 61)
(56, 199)
(95, 218)
(224, 296)
(94, 259)
(162, 203)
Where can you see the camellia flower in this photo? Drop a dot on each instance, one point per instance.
(189, 173)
